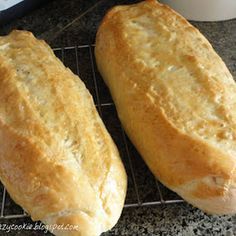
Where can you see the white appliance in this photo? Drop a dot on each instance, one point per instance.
(10, 9)
(5, 4)
(204, 10)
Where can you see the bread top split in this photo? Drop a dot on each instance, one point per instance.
(175, 97)
(56, 158)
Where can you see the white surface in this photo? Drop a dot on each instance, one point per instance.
(5, 4)
(204, 10)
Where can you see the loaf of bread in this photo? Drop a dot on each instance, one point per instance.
(176, 100)
(57, 160)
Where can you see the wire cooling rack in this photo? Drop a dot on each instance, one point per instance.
(143, 188)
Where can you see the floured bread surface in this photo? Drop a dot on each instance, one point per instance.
(56, 158)
(176, 100)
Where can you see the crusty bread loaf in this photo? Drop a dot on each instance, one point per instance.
(56, 158)
(176, 100)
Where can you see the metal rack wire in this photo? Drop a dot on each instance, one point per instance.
(80, 58)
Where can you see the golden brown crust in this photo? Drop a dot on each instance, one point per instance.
(176, 99)
(57, 159)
